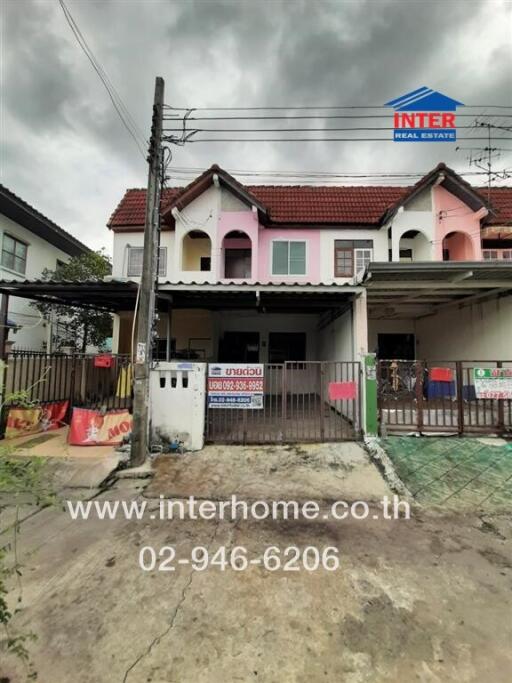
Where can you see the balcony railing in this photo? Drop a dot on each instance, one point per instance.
(497, 254)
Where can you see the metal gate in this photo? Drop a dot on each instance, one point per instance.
(44, 378)
(299, 405)
(409, 401)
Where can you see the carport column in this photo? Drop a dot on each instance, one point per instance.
(360, 324)
(116, 323)
(4, 331)
(369, 382)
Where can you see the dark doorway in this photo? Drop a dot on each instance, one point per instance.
(396, 346)
(237, 263)
(286, 346)
(239, 347)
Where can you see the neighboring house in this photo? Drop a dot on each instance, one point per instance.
(30, 243)
(275, 273)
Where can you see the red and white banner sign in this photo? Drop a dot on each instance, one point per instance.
(22, 421)
(91, 428)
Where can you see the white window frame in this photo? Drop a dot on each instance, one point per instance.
(289, 241)
(162, 270)
(16, 240)
(358, 251)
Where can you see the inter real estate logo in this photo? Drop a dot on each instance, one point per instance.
(424, 115)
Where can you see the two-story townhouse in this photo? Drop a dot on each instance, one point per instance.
(30, 243)
(272, 273)
(445, 293)
(273, 269)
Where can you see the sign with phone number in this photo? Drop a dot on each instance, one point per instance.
(493, 383)
(235, 385)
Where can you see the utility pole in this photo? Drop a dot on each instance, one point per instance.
(147, 287)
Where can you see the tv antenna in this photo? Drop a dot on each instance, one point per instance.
(483, 157)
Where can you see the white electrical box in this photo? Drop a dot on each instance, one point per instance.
(177, 403)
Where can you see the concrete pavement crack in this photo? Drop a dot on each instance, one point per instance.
(172, 621)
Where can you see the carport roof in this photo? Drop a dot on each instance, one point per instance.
(438, 270)
(120, 294)
(416, 290)
(94, 294)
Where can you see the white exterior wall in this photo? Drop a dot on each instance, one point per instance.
(201, 214)
(40, 255)
(336, 341)
(479, 332)
(328, 238)
(124, 240)
(178, 412)
(417, 215)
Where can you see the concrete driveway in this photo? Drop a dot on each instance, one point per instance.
(425, 599)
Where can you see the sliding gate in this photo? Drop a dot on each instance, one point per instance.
(311, 401)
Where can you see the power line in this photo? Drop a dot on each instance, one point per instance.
(120, 107)
(318, 107)
(307, 117)
(196, 141)
(320, 174)
(296, 130)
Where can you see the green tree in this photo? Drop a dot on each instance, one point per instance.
(80, 326)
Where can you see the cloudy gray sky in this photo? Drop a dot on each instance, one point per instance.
(65, 151)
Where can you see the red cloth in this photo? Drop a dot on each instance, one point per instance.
(342, 390)
(441, 375)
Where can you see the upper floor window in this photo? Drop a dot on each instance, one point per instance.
(351, 257)
(14, 254)
(288, 258)
(135, 258)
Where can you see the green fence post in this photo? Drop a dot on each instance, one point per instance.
(371, 426)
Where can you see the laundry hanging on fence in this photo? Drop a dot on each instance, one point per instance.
(43, 418)
(124, 382)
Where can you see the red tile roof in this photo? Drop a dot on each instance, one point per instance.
(290, 204)
(501, 201)
(130, 212)
(308, 204)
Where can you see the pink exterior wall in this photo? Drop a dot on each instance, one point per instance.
(459, 246)
(312, 239)
(452, 215)
(261, 244)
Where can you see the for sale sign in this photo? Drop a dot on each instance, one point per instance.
(233, 385)
(493, 383)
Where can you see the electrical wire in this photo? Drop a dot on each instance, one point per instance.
(193, 141)
(305, 117)
(120, 107)
(291, 107)
(320, 174)
(296, 130)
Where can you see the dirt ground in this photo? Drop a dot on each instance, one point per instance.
(300, 472)
(425, 599)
